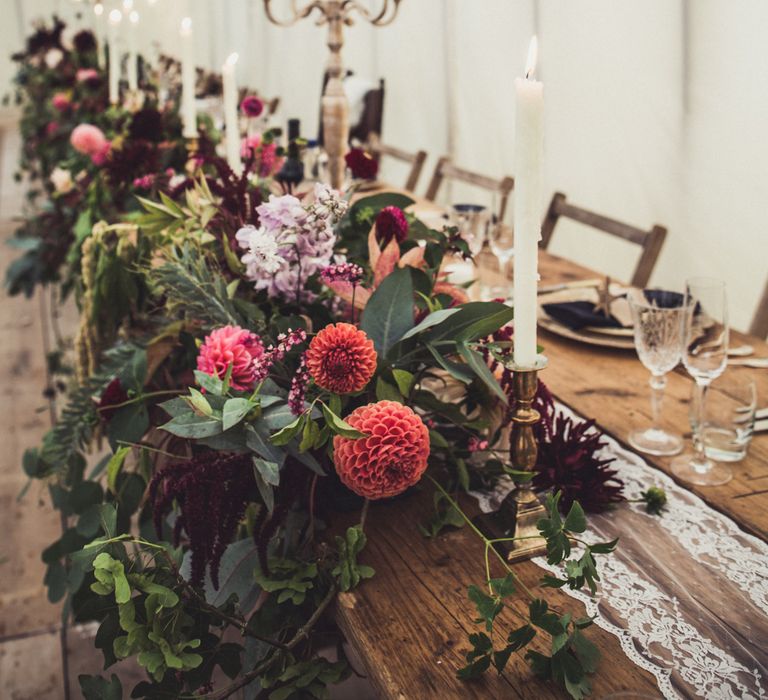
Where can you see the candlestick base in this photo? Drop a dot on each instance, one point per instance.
(193, 147)
(516, 519)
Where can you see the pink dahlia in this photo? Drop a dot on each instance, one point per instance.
(88, 139)
(235, 346)
(341, 358)
(61, 101)
(391, 223)
(251, 106)
(391, 458)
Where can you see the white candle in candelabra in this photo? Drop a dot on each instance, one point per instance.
(529, 132)
(133, 54)
(188, 112)
(98, 13)
(231, 127)
(115, 17)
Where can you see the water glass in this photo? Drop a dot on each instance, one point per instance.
(729, 417)
(472, 220)
(705, 357)
(657, 318)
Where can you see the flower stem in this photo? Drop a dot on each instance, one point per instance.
(488, 542)
(138, 398)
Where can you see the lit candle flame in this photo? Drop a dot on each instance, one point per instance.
(127, 5)
(115, 17)
(134, 17)
(232, 59)
(98, 9)
(533, 53)
(186, 26)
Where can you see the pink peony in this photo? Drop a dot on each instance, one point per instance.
(100, 156)
(89, 140)
(235, 346)
(61, 101)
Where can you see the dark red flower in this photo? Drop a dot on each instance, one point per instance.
(391, 223)
(113, 394)
(568, 459)
(363, 165)
(147, 124)
(84, 41)
(391, 458)
(251, 106)
(341, 358)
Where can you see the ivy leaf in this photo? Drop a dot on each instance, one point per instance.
(541, 617)
(575, 521)
(98, 688)
(586, 651)
(487, 606)
(604, 547)
(520, 637)
(503, 587)
(349, 572)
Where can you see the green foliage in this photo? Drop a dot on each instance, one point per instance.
(388, 315)
(348, 571)
(98, 688)
(307, 679)
(572, 656)
(289, 578)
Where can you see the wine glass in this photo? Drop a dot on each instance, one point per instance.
(502, 242)
(657, 318)
(705, 355)
(472, 221)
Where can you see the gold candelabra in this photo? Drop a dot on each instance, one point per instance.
(521, 509)
(335, 108)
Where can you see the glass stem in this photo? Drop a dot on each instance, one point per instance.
(658, 383)
(700, 416)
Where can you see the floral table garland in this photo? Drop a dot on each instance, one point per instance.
(258, 363)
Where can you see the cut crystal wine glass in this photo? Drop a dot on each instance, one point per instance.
(705, 356)
(657, 318)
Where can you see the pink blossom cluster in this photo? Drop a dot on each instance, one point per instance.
(298, 389)
(342, 272)
(231, 349)
(266, 162)
(275, 353)
(477, 444)
(61, 101)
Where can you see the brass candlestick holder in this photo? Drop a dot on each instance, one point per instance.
(521, 509)
(335, 108)
(193, 147)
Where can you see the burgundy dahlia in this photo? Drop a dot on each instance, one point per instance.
(363, 165)
(113, 395)
(568, 459)
(391, 223)
(251, 106)
(84, 41)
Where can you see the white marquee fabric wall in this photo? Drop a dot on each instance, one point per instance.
(657, 110)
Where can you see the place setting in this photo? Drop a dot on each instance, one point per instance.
(326, 378)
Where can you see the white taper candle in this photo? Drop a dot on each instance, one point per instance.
(529, 132)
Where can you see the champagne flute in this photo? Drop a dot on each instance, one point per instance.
(705, 356)
(657, 318)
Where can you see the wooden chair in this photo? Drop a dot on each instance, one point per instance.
(415, 160)
(650, 241)
(759, 325)
(445, 169)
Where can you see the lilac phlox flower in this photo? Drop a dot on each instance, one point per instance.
(263, 252)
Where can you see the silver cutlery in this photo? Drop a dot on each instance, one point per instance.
(741, 351)
(754, 362)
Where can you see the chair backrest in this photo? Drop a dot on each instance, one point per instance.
(759, 325)
(650, 241)
(416, 160)
(447, 170)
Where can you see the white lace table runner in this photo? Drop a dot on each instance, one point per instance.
(686, 592)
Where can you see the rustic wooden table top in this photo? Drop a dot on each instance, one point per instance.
(409, 623)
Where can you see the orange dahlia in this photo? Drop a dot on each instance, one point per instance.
(341, 358)
(391, 458)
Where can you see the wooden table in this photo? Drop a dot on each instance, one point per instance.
(409, 623)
